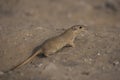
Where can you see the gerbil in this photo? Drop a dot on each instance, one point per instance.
(52, 45)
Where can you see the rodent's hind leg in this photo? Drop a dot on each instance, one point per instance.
(48, 54)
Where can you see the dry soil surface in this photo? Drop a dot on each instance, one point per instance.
(25, 24)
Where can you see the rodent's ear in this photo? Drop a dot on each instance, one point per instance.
(74, 28)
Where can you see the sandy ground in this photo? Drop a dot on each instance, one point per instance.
(25, 24)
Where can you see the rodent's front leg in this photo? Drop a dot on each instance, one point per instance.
(72, 44)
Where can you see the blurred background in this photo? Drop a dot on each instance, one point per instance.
(25, 24)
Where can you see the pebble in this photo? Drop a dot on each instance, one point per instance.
(98, 54)
(1, 73)
(51, 66)
(40, 65)
(28, 34)
(88, 60)
(116, 62)
(38, 28)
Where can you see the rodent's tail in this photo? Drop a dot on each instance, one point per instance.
(27, 60)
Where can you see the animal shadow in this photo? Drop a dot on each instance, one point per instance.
(41, 55)
(37, 48)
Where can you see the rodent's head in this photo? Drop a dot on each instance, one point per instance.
(77, 28)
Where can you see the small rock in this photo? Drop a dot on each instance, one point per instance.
(1, 73)
(116, 63)
(40, 65)
(88, 60)
(38, 28)
(98, 54)
(51, 66)
(28, 34)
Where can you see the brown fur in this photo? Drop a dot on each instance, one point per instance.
(54, 44)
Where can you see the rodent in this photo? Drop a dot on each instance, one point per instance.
(52, 45)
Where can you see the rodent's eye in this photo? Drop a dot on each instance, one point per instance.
(80, 27)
